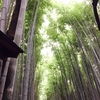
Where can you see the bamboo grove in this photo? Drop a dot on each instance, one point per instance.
(61, 59)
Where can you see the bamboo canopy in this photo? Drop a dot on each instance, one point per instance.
(8, 47)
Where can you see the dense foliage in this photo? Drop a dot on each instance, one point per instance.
(69, 67)
(61, 59)
(66, 51)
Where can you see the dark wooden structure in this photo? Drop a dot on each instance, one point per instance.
(8, 48)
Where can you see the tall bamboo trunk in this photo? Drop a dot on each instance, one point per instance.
(3, 16)
(29, 54)
(3, 24)
(21, 71)
(12, 66)
(3, 71)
